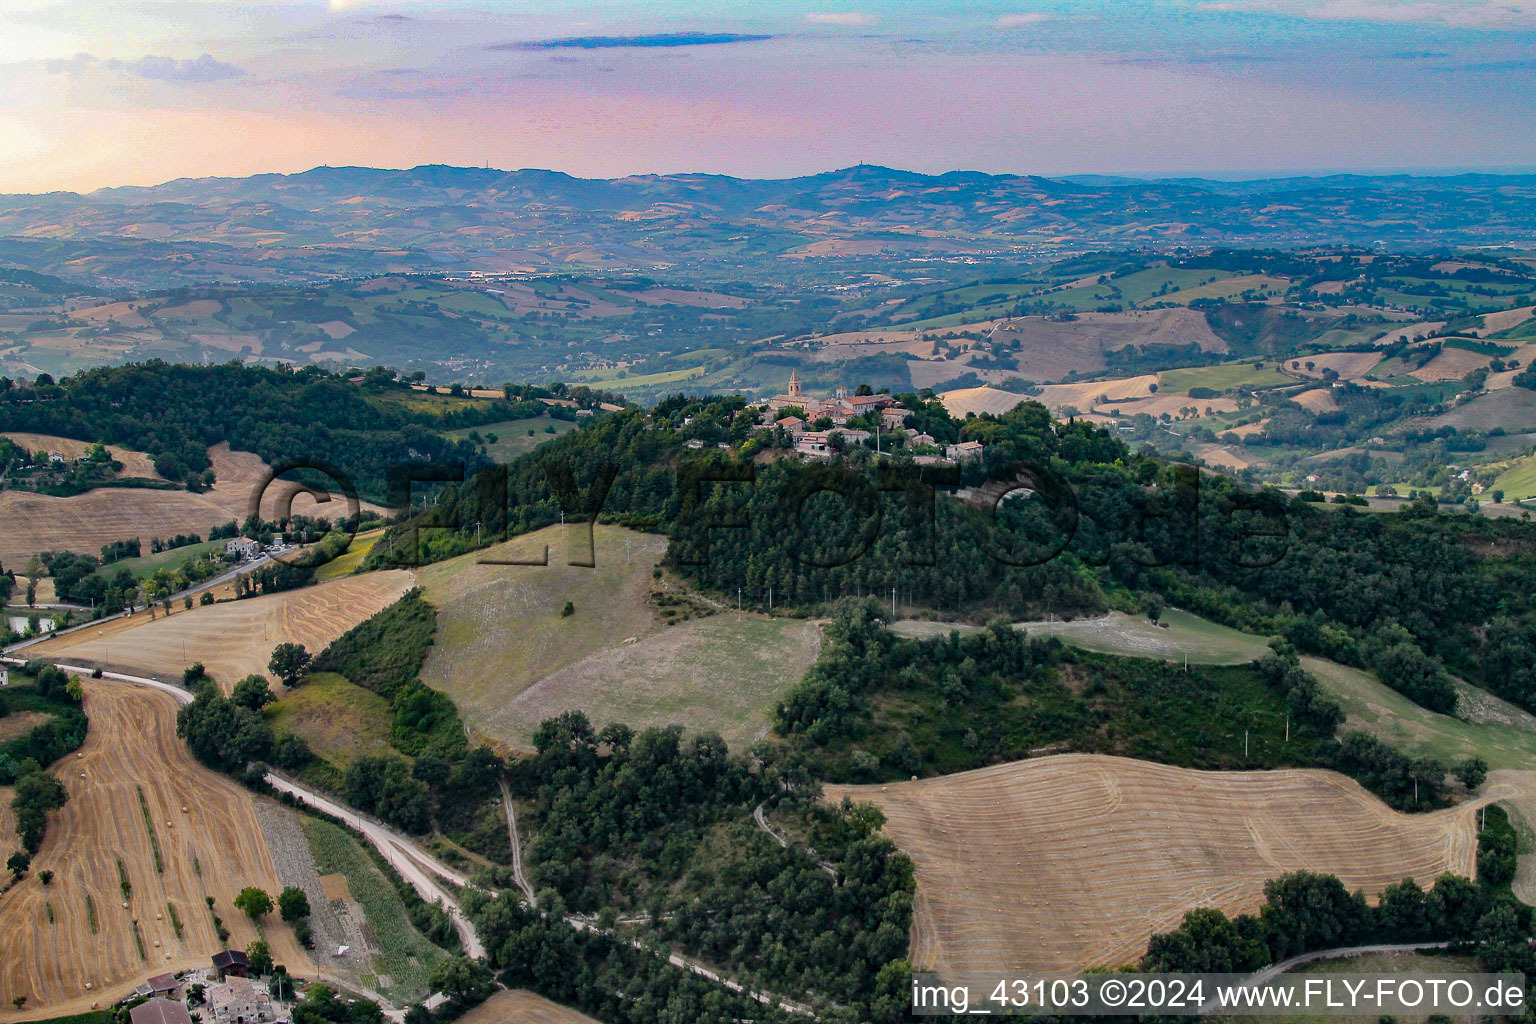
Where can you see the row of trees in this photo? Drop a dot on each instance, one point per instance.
(24, 760)
(1303, 912)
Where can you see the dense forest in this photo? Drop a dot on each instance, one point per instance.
(175, 412)
(659, 828)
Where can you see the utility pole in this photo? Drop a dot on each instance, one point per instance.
(738, 599)
(770, 599)
(1245, 744)
(893, 602)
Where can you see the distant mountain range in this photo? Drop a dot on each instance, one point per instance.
(349, 221)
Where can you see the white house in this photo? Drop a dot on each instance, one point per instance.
(964, 451)
(243, 548)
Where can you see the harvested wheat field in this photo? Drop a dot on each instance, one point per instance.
(1451, 364)
(1227, 457)
(233, 639)
(1093, 393)
(214, 848)
(1316, 400)
(134, 463)
(1348, 365)
(1074, 861)
(520, 1007)
(980, 400)
(37, 522)
(1503, 320)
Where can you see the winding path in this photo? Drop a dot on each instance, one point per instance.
(418, 867)
(517, 847)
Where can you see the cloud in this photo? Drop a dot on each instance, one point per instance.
(848, 18)
(161, 69)
(660, 39)
(169, 69)
(1022, 20)
(1470, 14)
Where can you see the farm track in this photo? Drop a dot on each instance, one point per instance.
(1031, 865)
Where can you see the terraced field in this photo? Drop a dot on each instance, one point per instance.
(1074, 861)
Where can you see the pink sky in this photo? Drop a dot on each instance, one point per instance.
(202, 87)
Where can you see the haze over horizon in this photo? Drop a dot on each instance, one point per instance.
(1272, 174)
(100, 94)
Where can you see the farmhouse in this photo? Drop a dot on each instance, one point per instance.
(237, 1002)
(160, 985)
(160, 1011)
(964, 451)
(243, 548)
(231, 963)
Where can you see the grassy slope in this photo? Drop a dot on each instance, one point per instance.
(513, 437)
(720, 674)
(1519, 480)
(1492, 729)
(500, 632)
(347, 564)
(499, 628)
(404, 954)
(142, 566)
(600, 377)
(1220, 378)
(1203, 641)
(340, 721)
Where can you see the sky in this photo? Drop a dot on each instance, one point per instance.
(97, 93)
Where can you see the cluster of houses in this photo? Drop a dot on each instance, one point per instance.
(229, 993)
(841, 408)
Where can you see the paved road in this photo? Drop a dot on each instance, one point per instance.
(196, 588)
(414, 865)
(418, 867)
